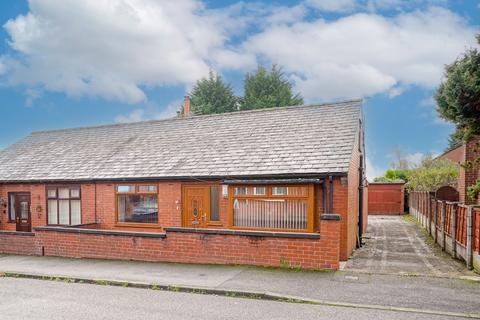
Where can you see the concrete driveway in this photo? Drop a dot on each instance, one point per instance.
(396, 245)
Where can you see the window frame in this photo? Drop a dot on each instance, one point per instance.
(70, 198)
(136, 192)
(309, 197)
(219, 197)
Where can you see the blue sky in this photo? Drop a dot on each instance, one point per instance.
(69, 63)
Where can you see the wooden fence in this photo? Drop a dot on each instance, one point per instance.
(454, 226)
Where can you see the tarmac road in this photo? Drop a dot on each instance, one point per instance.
(37, 299)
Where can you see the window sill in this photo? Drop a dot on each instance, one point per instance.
(102, 232)
(138, 225)
(238, 232)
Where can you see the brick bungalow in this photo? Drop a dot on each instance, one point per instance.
(271, 187)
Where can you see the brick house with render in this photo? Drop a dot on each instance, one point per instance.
(270, 187)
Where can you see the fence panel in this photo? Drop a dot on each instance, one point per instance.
(461, 235)
(476, 230)
(448, 219)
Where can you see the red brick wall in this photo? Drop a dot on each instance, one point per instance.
(37, 206)
(385, 198)
(99, 205)
(19, 244)
(186, 247)
(472, 151)
(467, 177)
(347, 201)
(455, 155)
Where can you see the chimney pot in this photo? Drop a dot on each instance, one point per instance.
(186, 106)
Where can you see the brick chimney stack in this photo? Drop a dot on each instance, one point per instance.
(186, 106)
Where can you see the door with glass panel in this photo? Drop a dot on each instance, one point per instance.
(196, 206)
(21, 205)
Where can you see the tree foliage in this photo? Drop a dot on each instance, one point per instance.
(265, 89)
(432, 174)
(394, 175)
(212, 95)
(458, 97)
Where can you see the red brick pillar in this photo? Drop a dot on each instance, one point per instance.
(469, 176)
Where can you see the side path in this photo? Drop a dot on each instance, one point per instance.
(419, 292)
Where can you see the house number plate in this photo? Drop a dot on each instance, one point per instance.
(195, 222)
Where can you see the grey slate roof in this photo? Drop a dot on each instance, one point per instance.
(291, 141)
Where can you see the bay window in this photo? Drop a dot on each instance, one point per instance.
(273, 207)
(137, 203)
(64, 205)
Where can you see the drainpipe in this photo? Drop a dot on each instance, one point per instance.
(360, 202)
(324, 187)
(95, 201)
(330, 178)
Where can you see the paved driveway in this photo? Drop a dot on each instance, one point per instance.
(395, 244)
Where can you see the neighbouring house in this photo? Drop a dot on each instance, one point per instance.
(386, 198)
(467, 176)
(270, 187)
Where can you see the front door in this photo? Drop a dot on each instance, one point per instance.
(196, 206)
(22, 212)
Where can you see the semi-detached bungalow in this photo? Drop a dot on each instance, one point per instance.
(271, 187)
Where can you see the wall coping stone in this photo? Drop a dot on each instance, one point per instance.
(303, 235)
(17, 233)
(330, 216)
(102, 232)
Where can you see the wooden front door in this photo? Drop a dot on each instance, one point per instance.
(196, 206)
(22, 212)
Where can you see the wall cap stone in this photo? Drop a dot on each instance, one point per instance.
(17, 233)
(303, 235)
(102, 232)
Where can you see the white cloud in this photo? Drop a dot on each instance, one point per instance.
(376, 5)
(332, 5)
(373, 171)
(31, 96)
(3, 67)
(428, 102)
(365, 54)
(115, 49)
(150, 112)
(414, 159)
(134, 116)
(112, 49)
(397, 91)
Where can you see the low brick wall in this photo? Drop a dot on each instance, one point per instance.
(23, 243)
(306, 250)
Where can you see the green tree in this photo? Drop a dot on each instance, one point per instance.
(394, 175)
(432, 174)
(212, 95)
(458, 97)
(265, 89)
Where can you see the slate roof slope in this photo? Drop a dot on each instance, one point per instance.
(301, 140)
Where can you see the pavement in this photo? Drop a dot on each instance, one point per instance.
(409, 277)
